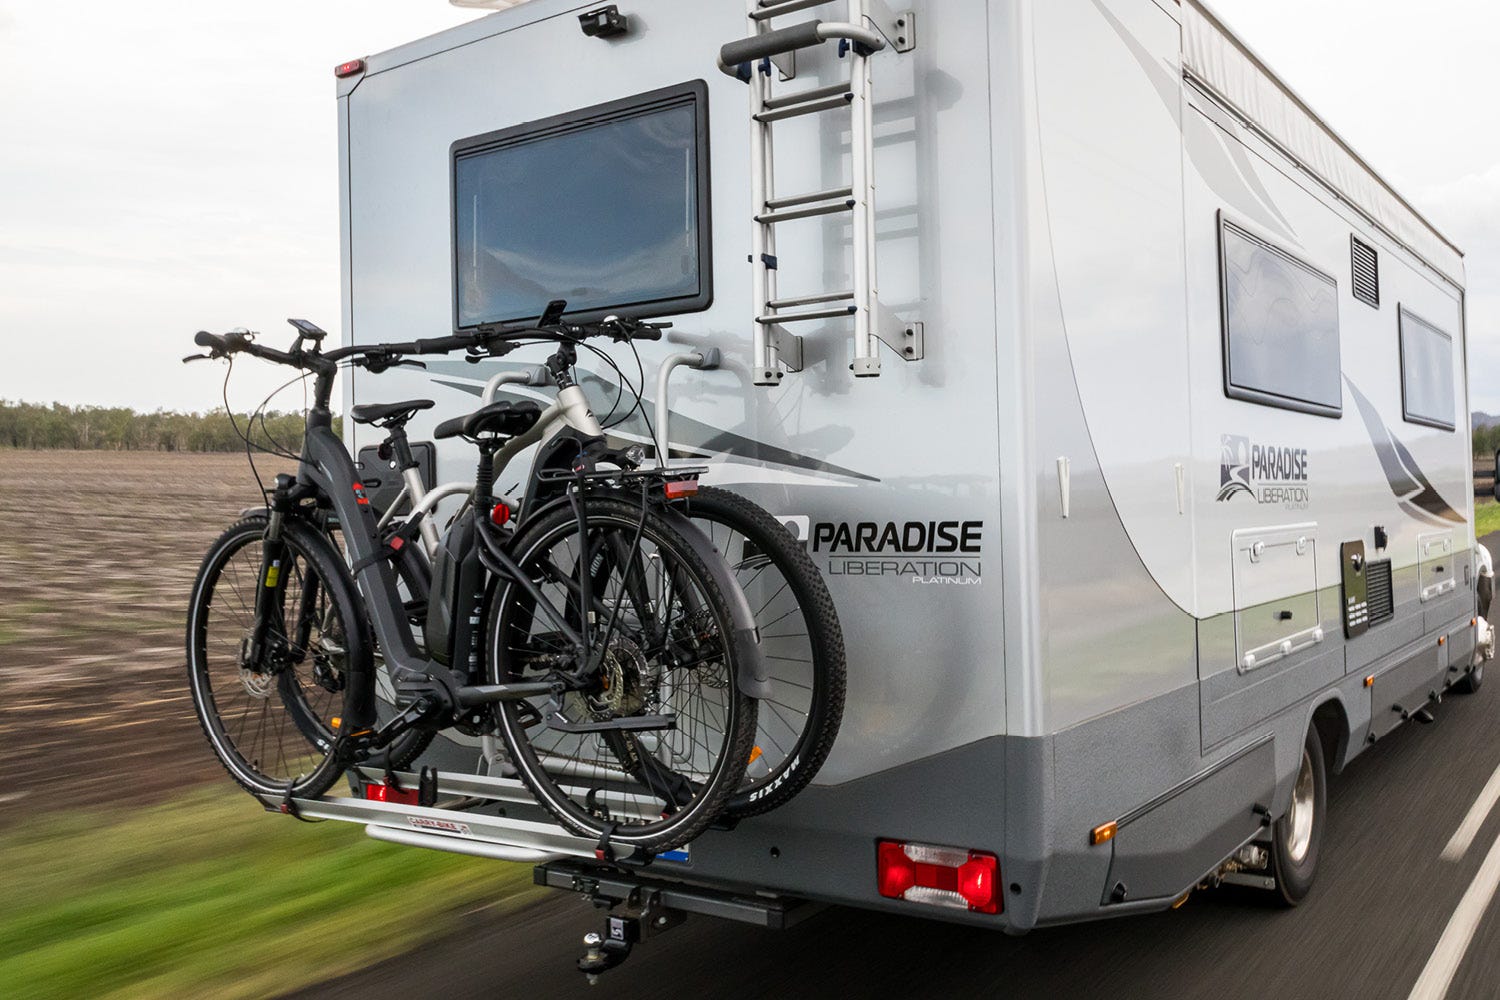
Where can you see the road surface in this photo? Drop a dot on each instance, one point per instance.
(1389, 911)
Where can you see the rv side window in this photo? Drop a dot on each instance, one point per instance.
(605, 207)
(1281, 327)
(1426, 373)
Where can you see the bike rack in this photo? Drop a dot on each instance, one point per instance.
(705, 360)
(463, 830)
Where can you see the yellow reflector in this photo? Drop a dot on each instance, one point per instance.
(335, 722)
(755, 755)
(1104, 833)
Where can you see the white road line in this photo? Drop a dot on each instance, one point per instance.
(1458, 846)
(1449, 953)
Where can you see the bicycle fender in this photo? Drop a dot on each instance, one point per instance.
(753, 677)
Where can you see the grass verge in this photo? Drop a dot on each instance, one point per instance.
(208, 897)
(1486, 517)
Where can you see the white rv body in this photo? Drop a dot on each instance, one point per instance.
(1102, 614)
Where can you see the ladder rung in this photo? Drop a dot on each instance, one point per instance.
(777, 204)
(809, 300)
(771, 218)
(774, 318)
(775, 8)
(816, 93)
(810, 108)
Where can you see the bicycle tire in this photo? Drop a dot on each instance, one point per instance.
(608, 778)
(314, 565)
(815, 721)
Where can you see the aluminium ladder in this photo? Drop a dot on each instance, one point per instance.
(872, 27)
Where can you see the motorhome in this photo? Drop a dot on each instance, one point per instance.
(1121, 403)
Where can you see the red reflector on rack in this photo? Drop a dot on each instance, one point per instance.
(500, 515)
(392, 794)
(938, 876)
(349, 68)
(680, 488)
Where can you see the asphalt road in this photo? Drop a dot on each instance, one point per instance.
(1381, 908)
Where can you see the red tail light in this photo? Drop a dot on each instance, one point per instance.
(390, 793)
(350, 68)
(938, 876)
(680, 488)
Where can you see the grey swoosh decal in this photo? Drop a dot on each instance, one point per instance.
(1414, 492)
(1224, 165)
(690, 438)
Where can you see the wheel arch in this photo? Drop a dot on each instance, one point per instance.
(1330, 720)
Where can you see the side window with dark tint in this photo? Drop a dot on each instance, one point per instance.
(1281, 327)
(1426, 373)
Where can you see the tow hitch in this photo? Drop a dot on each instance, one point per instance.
(643, 907)
(644, 917)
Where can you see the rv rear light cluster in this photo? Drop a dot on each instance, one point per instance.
(938, 876)
(387, 792)
(350, 68)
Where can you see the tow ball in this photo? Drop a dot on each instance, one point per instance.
(643, 918)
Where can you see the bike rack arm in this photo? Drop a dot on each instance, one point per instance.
(706, 360)
(538, 376)
(798, 36)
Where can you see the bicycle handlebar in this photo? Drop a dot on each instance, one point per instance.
(490, 342)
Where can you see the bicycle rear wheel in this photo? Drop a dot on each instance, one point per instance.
(800, 639)
(269, 722)
(648, 752)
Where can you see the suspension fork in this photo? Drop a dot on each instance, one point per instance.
(271, 583)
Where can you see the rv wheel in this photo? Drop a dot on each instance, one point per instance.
(1469, 682)
(1297, 835)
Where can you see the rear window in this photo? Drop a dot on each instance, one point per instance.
(605, 207)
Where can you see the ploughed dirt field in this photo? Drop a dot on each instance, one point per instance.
(97, 556)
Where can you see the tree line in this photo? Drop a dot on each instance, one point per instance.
(1486, 440)
(115, 428)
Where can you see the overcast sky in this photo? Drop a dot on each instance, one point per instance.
(170, 165)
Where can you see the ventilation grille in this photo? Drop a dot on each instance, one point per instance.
(1378, 591)
(1366, 273)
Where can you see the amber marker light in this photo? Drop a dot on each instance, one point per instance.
(1104, 832)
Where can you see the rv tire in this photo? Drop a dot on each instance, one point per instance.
(1297, 835)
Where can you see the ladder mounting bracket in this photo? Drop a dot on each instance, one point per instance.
(786, 65)
(788, 345)
(898, 26)
(907, 339)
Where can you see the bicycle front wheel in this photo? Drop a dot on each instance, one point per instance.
(648, 750)
(268, 721)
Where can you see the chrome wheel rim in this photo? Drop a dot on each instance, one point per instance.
(1300, 818)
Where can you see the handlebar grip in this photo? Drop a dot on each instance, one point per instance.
(205, 339)
(646, 333)
(771, 43)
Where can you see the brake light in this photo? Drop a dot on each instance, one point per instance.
(350, 68)
(680, 488)
(938, 876)
(387, 792)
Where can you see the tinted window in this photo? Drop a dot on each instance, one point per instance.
(1426, 373)
(604, 208)
(1281, 327)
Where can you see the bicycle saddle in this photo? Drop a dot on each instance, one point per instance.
(503, 419)
(388, 414)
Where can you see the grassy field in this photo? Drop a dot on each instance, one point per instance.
(1486, 517)
(207, 896)
(134, 866)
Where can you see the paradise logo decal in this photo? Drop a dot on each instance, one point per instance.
(1266, 474)
(926, 552)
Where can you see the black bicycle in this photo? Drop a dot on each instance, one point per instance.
(613, 651)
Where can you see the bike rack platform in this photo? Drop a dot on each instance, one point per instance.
(445, 828)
